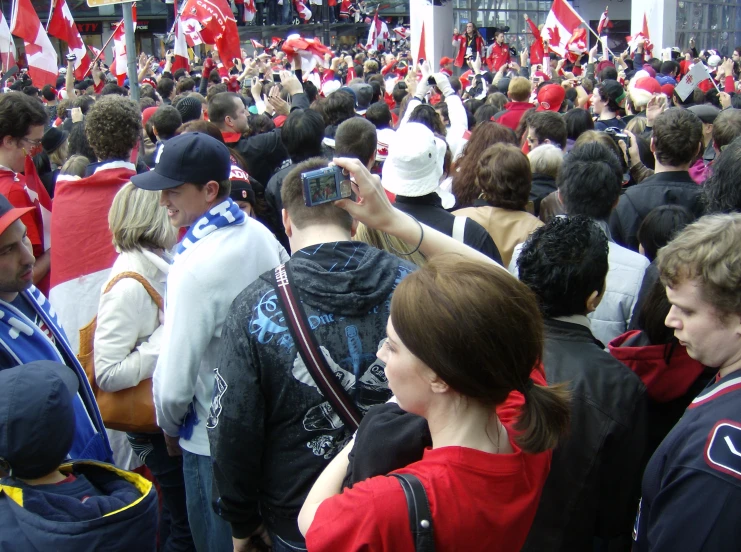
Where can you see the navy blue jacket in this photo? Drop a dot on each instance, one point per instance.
(692, 485)
(119, 515)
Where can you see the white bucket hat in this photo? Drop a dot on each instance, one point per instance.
(415, 164)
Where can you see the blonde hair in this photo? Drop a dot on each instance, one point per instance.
(59, 155)
(75, 165)
(519, 89)
(709, 252)
(637, 125)
(381, 240)
(546, 159)
(137, 221)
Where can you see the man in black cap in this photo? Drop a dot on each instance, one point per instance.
(221, 254)
(48, 505)
(30, 331)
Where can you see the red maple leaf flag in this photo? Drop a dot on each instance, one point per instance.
(7, 46)
(218, 27)
(604, 22)
(40, 197)
(181, 48)
(560, 25)
(62, 26)
(40, 54)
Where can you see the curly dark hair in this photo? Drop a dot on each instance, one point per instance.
(113, 126)
(563, 263)
(723, 186)
(483, 136)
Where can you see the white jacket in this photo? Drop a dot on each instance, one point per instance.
(624, 278)
(128, 334)
(203, 282)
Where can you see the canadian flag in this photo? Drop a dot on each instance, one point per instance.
(214, 22)
(62, 26)
(604, 22)
(180, 49)
(643, 34)
(249, 10)
(560, 25)
(40, 54)
(378, 32)
(97, 53)
(7, 46)
(40, 198)
(303, 10)
(256, 44)
(403, 32)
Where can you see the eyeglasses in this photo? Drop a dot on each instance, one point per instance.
(34, 143)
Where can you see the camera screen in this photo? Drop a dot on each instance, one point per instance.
(323, 188)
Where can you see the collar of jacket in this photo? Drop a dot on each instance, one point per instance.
(427, 199)
(230, 137)
(562, 327)
(676, 177)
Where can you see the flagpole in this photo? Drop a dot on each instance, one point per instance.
(13, 7)
(100, 53)
(52, 4)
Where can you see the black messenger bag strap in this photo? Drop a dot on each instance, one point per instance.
(308, 348)
(420, 517)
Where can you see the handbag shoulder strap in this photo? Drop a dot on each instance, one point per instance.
(156, 297)
(308, 348)
(420, 517)
(459, 228)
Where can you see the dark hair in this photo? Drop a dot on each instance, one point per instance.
(504, 177)
(146, 102)
(84, 103)
(480, 331)
(606, 140)
(259, 124)
(722, 188)
(612, 105)
(47, 92)
(464, 178)
(185, 85)
(590, 181)
(356, 138)
(677, 134)
(563, 263)
(548, 125)
(655, 64)
(166, 120)
(77, 143)
(311, 91)
(660, 226)
(113, 126)
(31, 91)
(608, 73)
(292, 195)
(726, 127)
(148, 91)
(442, 111)
(669, 67)
(379, 114)
(473, 104)
(485, 113)
(577, 121)
(180, 73)
(18, 113)
(652, 316)
(302, 134)
(400, 90)
(427, 115)
(165, 87)
(497, 100)
(221, 106)
(113, 88)
(199, 125)
(339, 106)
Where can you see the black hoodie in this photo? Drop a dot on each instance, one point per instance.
(271, 431)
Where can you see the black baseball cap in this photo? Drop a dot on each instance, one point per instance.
(37, 417)
(194, 157)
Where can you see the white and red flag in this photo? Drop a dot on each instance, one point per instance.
(81, 267)
(560, 25)
(62, 26)
(642, 35)
(302, 9)
(8, 54)
(604, 22)
(97, 53)
(403, 32)
(40, 54)
(40, 198)
(250, 10)
(310, 50)
(212, 22)
(256, 44)
(180, 49)
(378, 32)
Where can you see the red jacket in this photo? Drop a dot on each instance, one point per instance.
(460, 57)
(498, 56)
(513, 113)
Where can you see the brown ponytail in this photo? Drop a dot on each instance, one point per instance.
(481, 331)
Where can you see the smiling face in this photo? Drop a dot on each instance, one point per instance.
(711, 339)
(409, 378)
(185, 204)
(16, 149)
(16, 261)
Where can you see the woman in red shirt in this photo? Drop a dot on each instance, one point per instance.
(463, 338)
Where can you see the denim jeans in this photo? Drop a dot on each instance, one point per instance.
(282, 545)
(210, 532)
(286, 14)
(168, 470)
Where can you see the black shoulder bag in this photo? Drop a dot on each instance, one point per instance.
(420, 517)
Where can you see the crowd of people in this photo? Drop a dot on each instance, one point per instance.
(522, 330)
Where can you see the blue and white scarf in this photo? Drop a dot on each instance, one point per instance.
(25, 342)
(224, 214)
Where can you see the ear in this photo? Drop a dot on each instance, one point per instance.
(653, 145)
(286, 222)
(437, 385)
(699, 148)
(7, 141)
(211, 190)
(353, 228)
(593, 301)
(372, 160)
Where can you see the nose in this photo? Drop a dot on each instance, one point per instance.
(672, 320)
(27, 257)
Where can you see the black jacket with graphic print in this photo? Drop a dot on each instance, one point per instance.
(271, 431)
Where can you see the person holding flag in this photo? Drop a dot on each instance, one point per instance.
(468, 45)
(62, 26)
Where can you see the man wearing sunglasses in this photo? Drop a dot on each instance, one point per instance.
(22, 123)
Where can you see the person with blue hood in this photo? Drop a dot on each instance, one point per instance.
(47, 502)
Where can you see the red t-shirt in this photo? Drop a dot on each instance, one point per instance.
(479, 502)
(13, 187)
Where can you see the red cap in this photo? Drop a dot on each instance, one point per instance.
(550, 97)
(649, 85)
(9, 214)
(667, 89)
(147, 113)
(445, 61)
